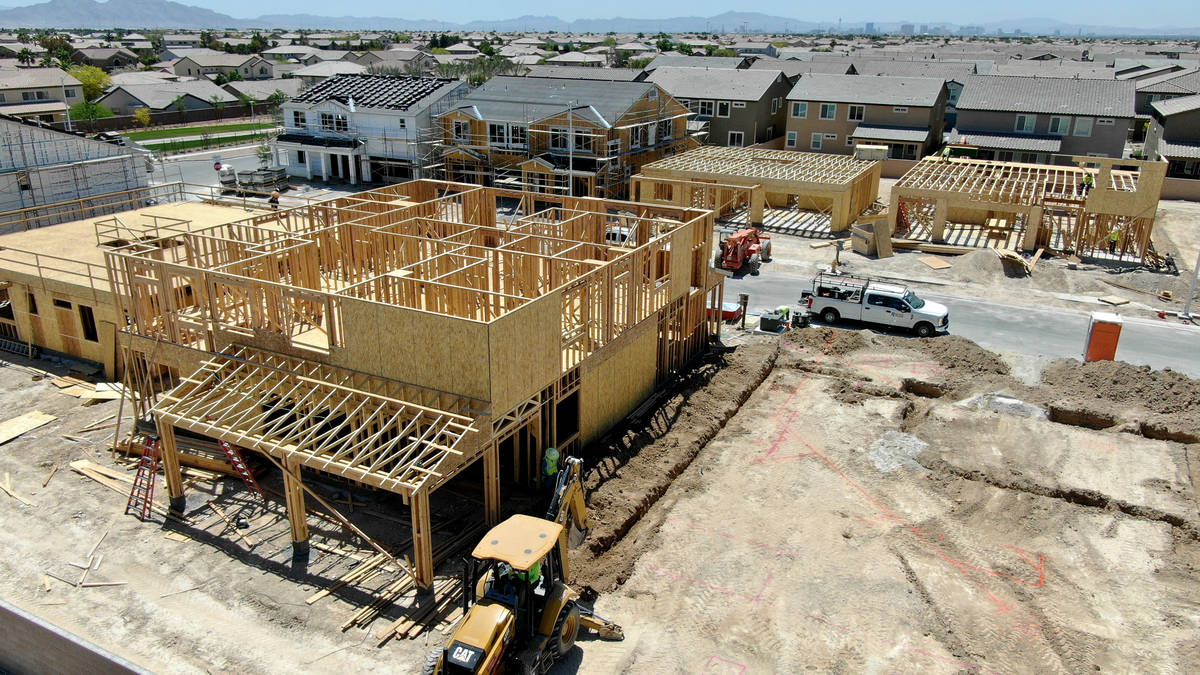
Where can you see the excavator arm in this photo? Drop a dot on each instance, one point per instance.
(567, 507)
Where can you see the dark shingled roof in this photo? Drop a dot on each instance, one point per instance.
(391, 92)
(1050, 95)
(999, 141)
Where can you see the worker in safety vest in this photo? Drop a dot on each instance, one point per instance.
(783, 311)
(946, 152)
(1088, 182)
(1113, 238)
(550, 471)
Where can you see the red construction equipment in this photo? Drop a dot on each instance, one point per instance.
(235, 460)
(141, 497)
(744, 248)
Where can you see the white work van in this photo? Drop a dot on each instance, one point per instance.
(843, 296)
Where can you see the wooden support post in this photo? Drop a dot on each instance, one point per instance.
(170, 464)
(293, 492)
(893, 211)
(491, 485)
(939, 220)
(758, 197)
(422, 540)
(1033, 225)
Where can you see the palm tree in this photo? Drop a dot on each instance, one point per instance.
(26, 56)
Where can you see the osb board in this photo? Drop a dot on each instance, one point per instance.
(620, 379)
(422, 348)
(16, 426)
(934, 262)
(681, 261)
(526, 351)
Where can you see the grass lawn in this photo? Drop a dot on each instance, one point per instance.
(152, 134)
(176, 146)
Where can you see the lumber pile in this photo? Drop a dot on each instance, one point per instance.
(89, 392)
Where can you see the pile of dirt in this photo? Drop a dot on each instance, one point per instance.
(983, 266)
(635, 464)
(826, 340)
(1169, 401)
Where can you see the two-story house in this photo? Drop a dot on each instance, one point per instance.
(105, 58)
(741, 107)
(1161, 86)
(834, 113)
(364, 127)
(1174, 135)
(43, 94)
(1044, 120)
(564, 136)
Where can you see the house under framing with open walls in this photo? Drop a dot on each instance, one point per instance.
(394, 337)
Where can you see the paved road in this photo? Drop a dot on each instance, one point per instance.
(1049, 333)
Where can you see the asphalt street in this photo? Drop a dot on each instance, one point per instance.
(1051, 333)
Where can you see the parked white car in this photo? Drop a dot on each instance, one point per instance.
(843, 296)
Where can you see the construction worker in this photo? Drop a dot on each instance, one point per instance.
(1113, 238)
(1088, 182)
(274, 199)
(946, 152)
(550, 471)
(783, 311)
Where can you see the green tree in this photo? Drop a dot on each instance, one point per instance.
(217, 103)
(277, 98)
(684, 48)
(180, 103)
(26, 56)
(89, 111)
(23, 37)
(664, 45)
(94, 80)
(142, 116)
(264, 155)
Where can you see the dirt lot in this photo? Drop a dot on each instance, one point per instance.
(835, 500)
(838, 523)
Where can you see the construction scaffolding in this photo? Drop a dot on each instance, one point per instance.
(839, 185)
(393, 337)
(1030, 206)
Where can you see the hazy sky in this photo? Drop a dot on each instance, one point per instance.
(1148, 13)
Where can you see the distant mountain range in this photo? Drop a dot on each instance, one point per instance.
(135, 14)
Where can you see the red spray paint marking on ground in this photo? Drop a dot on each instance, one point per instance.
(715, 664)
(734, 537)
(758, 600)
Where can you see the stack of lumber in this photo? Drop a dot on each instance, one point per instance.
(89, 392)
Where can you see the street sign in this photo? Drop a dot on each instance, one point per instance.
(216, 166)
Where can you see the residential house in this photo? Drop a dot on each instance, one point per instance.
(740, 107)
(263, 90)
(297, 53)
(106, 58)
(953, 73)
(577, 59)
(587, 73)
(1162, 87)
(794, 68)
(13, 49)
(43, 94)
(324, 70)
(834, 113)
(166, 96)
(1174, 135)
(565, 136)
(682, 61)
(364, 127)
(248, 67)
(182, 40)
(402, 61)
(1044, 120)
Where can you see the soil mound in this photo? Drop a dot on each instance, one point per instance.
(982, 265)
(1164, 392)
(827, 340)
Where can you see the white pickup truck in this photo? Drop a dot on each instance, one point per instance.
(842, 296)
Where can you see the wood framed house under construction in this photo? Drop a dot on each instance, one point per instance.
(561, 136)
(1030, 206)
(838, 185)
(396, 337)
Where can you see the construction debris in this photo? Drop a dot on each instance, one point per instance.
(12, 428)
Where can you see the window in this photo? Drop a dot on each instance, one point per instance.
(558, 139)
(402, 123)
(497, 134)
(705, 108)
(791, 139)
(685, 103)
(33, 96)
(32, 304)
(815, 142)
(849, 141)
(1105, 122)
(739, 104)
(722, 108)
(334, 122)
(518, 136)
(583, 141)
(1083, 126)
(653, 95)
(900, 110)
(68, 93)
(299, 119)
(736, 138)
(856, 113)
(774, 105)
(88, 321)
(461, 130)
(637, 137)
(828, 111)
(62, 304)
(800, 110)
(1025, 123)
(1059, 126)
(665, 130)
(301, 158)
(614, 147)
(2, 99)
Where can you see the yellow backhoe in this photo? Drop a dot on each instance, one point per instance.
(521, 615)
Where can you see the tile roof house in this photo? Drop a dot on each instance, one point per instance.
(1174, 135)
(364, 127)
(582, 137)
(1044, 120)
(587, 73)
(38, 93)
(834, 113)
(105, 57)
(683, 61)
(249, 67)
(1166, 85)
(741, 107)
(261, 90)
(192, 95)
(323, 70)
